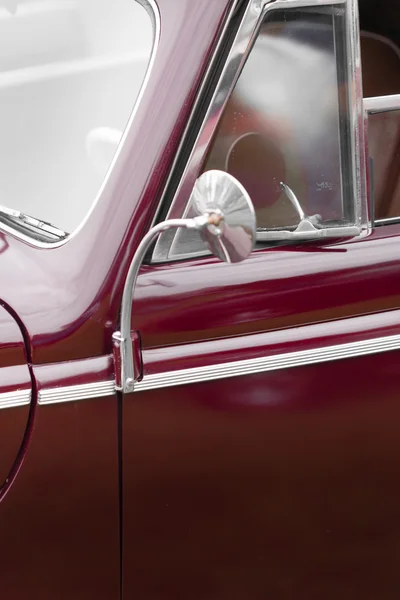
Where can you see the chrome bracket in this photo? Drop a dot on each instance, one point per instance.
(309, 227)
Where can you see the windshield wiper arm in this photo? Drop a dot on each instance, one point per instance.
(36, 226)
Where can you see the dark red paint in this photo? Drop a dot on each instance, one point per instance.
(310, 337)
(273, 484)
(74, 372)
(12, 349)
(273, 289)
(59, 521)
(280, 485)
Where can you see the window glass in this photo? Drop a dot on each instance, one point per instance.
(70, 73)
(285, 129)
(384, 151)
(282, 121)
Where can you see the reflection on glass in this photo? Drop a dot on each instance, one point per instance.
(287, 118)
(384, 151)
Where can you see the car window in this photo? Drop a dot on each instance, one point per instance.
(282, 122)
(286, 130)
(384, 152)
(70, 73)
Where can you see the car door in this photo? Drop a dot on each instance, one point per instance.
(260, 446)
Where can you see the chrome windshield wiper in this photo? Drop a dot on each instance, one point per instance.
(37, 227)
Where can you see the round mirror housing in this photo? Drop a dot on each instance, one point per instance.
(225, 218)
(231, 231)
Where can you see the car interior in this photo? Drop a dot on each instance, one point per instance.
(70, 72)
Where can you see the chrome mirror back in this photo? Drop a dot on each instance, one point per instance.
(231, 234)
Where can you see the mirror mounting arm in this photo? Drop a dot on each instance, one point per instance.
(226, 221)
(126, 368)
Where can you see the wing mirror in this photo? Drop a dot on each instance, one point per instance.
(226, 221)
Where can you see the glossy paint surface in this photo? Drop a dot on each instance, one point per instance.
(274, 484)
(275, 288)
(59, 521)
(338, 333)
(73, 373)
(277, 485)
(13, 422)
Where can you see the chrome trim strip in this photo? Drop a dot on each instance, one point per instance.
(71, 393)
(387, 221)
(379, 104)
(15, 398)
(225, 370)
(269, 363)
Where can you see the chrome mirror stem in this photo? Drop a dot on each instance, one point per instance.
(122, 342)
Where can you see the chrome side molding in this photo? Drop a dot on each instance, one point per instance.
(222, 370)
(15, 398)
(71, 393)
(264, 364)
(379, 104)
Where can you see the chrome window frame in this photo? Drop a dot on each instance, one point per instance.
(244, 40)
(381, 104)
(373, 106)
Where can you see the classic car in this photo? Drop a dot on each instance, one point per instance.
(199, 299)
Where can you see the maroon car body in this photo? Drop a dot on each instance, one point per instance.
(278, 483)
